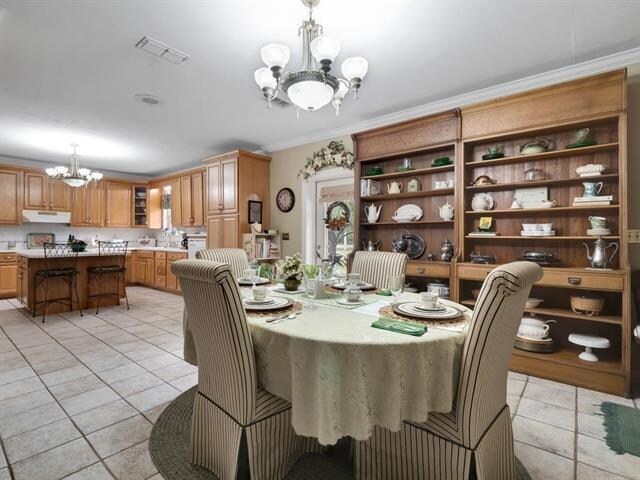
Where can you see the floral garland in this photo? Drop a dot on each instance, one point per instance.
(333, 155)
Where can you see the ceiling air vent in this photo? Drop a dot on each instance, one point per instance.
(159, 49)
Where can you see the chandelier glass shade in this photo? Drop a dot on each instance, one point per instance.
(313, 86)
(74, 176)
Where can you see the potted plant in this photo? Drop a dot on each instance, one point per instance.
(291, 271)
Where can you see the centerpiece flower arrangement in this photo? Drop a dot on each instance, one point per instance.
(333, 155)
(291, 268)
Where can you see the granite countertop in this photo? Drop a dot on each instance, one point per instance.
(93, 252)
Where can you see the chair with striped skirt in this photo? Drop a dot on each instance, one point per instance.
(476, 435)
(230, 412)
(377, 267)
(235, 257)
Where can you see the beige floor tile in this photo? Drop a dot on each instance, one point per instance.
(594, 452)
(5, 475)
(16, 374)
(133, 463)
(3, 459)
(590, 401)
(128, 370)
(552, 384)
(136, 384)
(515, 386)
(20, 387)
(185, 383)
(56, 463)
(109, 363)
(30, 419)
(547, 413)
(52, 366)
(43, 438)
(103, 416)
(554, 396)
(88, 400)
(547, 437)
(65, 375)
(175, 371)
(12, 363)
(159, 361)
(587, 472)
(97, 471)
(153, 397)
(117, 437)
(543, 465)
(144, 353)
(26, 401)
(153, 414)
(591, 425)
(77, 386)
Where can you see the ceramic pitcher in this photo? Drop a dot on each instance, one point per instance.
(592, 189)
(394, 187)
(372, 212)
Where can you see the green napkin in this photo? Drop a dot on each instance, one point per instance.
(384, 293)
(400, 327)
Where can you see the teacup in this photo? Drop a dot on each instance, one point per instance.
(259, 294)
(354, 278)
(598, 222)
(249, 274)
(428, 299)
(530, 227)
(592, 189)
(546, 227)
(548, 203)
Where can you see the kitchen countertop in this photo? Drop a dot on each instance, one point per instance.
(93, 252)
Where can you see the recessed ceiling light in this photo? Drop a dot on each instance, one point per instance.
(148, 99)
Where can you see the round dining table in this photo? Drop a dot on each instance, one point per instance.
(343, 377)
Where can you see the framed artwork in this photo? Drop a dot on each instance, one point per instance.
(255, 211)
(37, 240)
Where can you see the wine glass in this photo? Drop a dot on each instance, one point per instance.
(396, 285)
(311, 287)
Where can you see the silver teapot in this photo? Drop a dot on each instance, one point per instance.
(446, 250)
(371, 246)
(599, 258)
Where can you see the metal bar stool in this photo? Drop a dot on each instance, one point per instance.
(64, 267)
(116, 270)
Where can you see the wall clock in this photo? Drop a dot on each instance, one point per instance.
(285, 200)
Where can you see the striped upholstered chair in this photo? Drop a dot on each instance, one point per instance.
(476, 435)
(377, 267)
(230, 412)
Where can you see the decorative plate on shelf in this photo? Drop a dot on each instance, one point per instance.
(285, 200)
(415, 245)
(409, 210)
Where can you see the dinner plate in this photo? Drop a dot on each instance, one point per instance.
(361, 285)
(408, 309)
(344, 301)
(278, 304)
(246, 282)
(409, 210)
(250, 301)
(422, 308)
(281, 289)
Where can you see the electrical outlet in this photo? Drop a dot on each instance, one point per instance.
(285, 236)
(634, 236)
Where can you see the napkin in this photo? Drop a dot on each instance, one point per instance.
(384, 293)
(400, 327)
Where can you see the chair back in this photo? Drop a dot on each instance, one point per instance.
(235, 257)
(377, 267)
(113, 249)
(226, 365)
(482, 387)
(59, 251)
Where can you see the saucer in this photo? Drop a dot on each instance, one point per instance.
(437, 308)
(344, 301)
(596, 232)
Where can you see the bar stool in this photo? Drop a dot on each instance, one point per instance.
(64, 267)
(116, 271)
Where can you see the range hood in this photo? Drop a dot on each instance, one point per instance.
(45, 216)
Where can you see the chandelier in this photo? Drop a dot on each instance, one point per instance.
(74, 176)
(312, 87)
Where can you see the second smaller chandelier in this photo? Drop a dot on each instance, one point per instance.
(312, 87)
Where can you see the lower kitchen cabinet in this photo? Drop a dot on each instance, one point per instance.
(172, 281)
(223, 231)
(153, 269)
(161, 270)
(8, 275)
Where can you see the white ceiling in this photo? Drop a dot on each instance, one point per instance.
(69, 70)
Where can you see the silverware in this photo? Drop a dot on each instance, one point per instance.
(283, 318)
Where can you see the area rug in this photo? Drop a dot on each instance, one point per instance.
(169, 444)
(622, 425)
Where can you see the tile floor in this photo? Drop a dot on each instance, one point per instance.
(79, 395)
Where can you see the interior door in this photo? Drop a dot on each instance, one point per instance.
(35, 191)
(10, 188)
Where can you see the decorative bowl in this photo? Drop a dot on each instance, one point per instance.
(533, 302)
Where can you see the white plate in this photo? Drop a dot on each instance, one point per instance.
(439, 308)
(284, 290)
(247, 282)
(409, 210)
(251, 301)
(403, 219)
(276, 305)
(538, 339)
(596, 232)
(479, 198)
(410, 309)
(537, 233)
(344, 301)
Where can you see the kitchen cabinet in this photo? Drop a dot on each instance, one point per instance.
(128, 265)
(11, 186)
(144, 268)
(44, 193)
(160, 280)
(232, 180)
(87, 205)
(176, 202)
(172, 281)
(8, 275)
(22, 285)
(118, 204)
(187, 200)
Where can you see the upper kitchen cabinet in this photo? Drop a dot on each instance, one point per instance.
(10, 196)
(192, 199)
(118, 204)
(43, 193)
(140, 206)
(87, 208)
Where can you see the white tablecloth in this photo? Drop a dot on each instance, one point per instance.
(343, 376)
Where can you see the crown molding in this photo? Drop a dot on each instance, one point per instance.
(563, 74)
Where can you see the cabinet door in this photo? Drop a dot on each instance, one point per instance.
(118, 205)
(197, 199)
(185, 200)
(35, 191)
(176, 203)
(214, 232)
(149, 272)
(230, 232)
(129, 274)
(8, 279)
(59, 196)
(229, 186)
(79, 217)
(140, 269)
(95, 204)
(214, 194)
(10, 188)
(22, 287)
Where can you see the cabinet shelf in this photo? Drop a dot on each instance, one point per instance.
(564, 313)
(524, 212)
(420, 223)
(568, 357)
(552, 155)
(410, 173)
(393, 196)
(559, 182)
(546, 239)
(441, 147)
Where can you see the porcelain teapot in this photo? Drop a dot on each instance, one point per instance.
(534, 328)
(394, 187)
(372, 212)
(445, 211)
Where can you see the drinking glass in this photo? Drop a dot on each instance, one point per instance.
(311, 286)
(354, 279)
(396, 285)
(311, 270)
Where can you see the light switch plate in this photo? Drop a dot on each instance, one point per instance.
(634, 236)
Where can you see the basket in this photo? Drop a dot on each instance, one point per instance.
(591, 306)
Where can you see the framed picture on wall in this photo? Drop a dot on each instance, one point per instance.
(255, 211)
